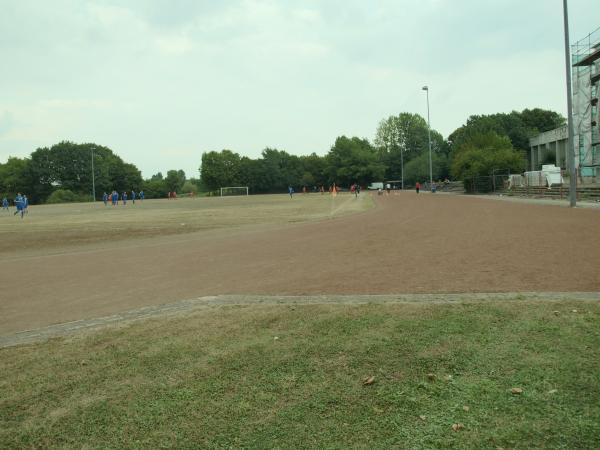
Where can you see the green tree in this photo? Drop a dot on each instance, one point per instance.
(403, 137)
(220, 169)
(417, 169)
(15, 176)
(154, 188)
(542, 120)
(353, 160)
(175, 180)
(519, 127)
(68, 165)
(280, 169)
(189, 187)
(314, 168)
(483, 154)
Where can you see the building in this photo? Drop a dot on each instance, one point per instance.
(551, 146)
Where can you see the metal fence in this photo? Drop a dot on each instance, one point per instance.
(487, 184)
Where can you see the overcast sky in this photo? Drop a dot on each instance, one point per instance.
(161, 81)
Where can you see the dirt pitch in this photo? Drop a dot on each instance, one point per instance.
(407, 244)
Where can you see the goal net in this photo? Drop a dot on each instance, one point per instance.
(234, 190)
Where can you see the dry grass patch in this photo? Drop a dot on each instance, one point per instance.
(58, 226)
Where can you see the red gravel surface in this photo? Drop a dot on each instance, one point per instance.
(409, 243)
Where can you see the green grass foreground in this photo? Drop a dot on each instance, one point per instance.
(292, 377)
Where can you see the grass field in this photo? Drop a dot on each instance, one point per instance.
(58, 226)
(292, 377)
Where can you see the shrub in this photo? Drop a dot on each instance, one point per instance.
(66, 196)
(189, 187)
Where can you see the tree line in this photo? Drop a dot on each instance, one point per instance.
(399, 151)
(65, 171)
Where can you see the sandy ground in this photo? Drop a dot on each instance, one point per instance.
(407, 244)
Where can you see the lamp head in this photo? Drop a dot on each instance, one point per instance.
(425, 88)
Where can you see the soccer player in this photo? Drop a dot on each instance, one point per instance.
(25, 204)
(133, 196)
(105, 198)
(114, 198)
(291, 191)
(19, 204)
(5, 203)
(142, 195)
(418, 187)
(124, 198)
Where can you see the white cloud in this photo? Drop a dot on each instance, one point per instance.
(177, 45)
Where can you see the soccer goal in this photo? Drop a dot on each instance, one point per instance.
(234, 190)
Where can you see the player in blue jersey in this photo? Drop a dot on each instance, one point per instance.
(124, 197)
(105, 198)
(133, 196)
(142, 195)
(5, 203)
(19, 204)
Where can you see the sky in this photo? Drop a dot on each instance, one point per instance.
(162, 81)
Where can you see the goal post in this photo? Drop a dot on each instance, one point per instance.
(234, 190)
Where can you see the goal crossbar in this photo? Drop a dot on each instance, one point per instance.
(231, 190)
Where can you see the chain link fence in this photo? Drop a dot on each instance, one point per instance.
(487, 184)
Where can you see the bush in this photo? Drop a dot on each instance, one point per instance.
(155, 189)
(189, 187)
(67, 196)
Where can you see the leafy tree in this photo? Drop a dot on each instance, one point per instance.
(417, 169)
(519, 127)
(314, 170)
(154, 188)
(175, 180)
(15, 176)
(189, 188)
(220, 169)
(280, 169)
(484, 153)
(67, 165)
(542, 120)
(402, 138)
(353, 160)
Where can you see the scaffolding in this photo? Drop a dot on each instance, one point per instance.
(585, 55)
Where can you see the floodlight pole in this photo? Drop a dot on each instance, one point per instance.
(571, 140)
(402, 162)
(93, 178)
(402, 166)
(426, 89)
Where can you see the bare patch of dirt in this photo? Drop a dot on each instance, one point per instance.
(408, 244)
